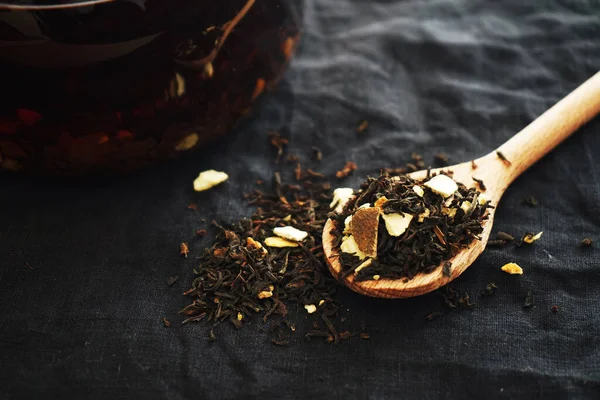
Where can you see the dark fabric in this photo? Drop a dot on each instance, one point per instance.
(458, 76)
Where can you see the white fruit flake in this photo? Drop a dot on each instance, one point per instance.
(275, 241)
(311, 308)
(340, 198)
(418, 190)
(290, 233)
(347, 228)
(466, 206)
(396, 224)
(209, 179)
(483, 199)
(362, 266)
(442, 185)
(349, 246)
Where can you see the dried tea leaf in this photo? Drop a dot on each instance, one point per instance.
(347, 170)
(528, 299)
(172, 279)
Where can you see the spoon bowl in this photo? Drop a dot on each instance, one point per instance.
(497, 170)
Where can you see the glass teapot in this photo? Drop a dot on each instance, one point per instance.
(108, 86)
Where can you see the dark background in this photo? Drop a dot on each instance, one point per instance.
(454, 76)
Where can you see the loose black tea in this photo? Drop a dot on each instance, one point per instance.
(489, 290)
(433, 315)
(441, 159)
(274, 258)
(166, 322)
(453, 299)
(172, 279)
(530, 201)
(317, 154)
(496, 243)
(397, 227)
(503, 158)
(480, 184)
(446, 270)
(528, 299)
(363, 126)
(505, 236)
(587, 242)
(279, 142)
(347, 170)
(554, 309)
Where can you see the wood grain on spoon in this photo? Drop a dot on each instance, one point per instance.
(522, 151)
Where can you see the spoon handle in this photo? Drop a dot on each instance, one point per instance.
(552, 127)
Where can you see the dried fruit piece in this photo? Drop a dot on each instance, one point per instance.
(466, 206)
(209, 179)
(380, 202)
(265, 294)
(184, 249)
(418, 190)
(340, 198)
(424, 215)
(512, 268)
(442, 185)
(348, 225)
(290, 233)
(529, 237)
(349, 246)
(482, 199)
(310, 308)
(396, 224)
(276, 241)
(188, 142)
(363, 266)
(365, 223)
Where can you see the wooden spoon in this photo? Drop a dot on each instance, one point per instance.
(522, 151)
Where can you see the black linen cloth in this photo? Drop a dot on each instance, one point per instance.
(452, 76)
